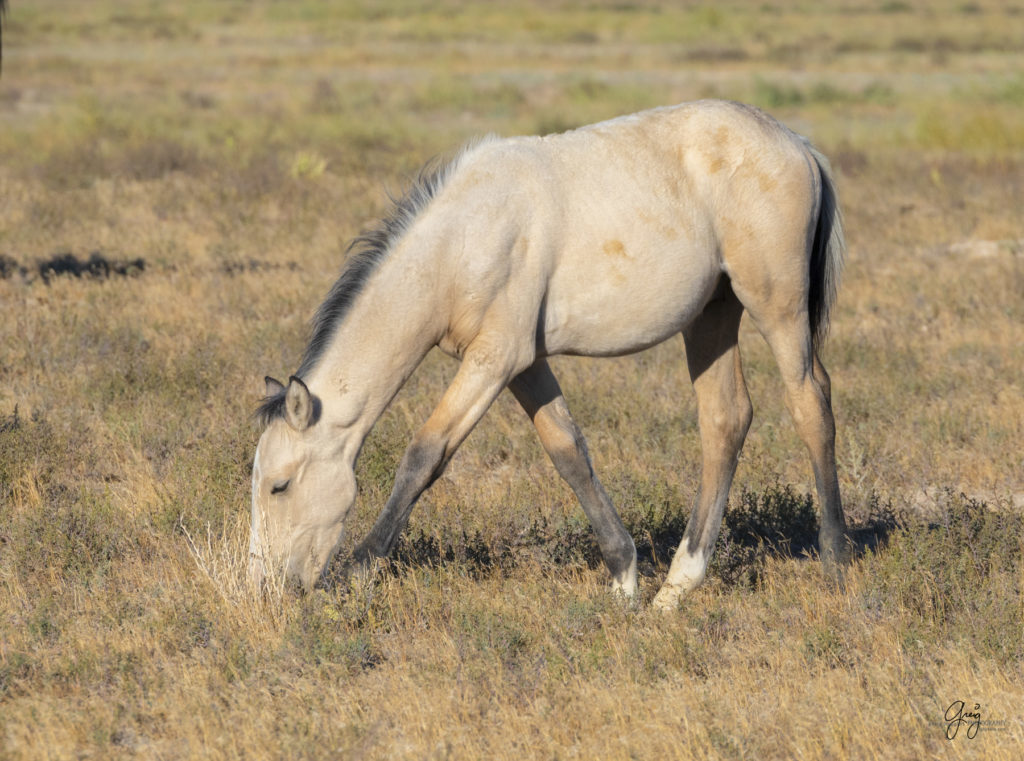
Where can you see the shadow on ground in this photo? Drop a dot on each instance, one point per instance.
(773, 523)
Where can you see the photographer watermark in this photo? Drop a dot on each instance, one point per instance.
(965, 719)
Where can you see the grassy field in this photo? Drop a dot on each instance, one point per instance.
(178, 185)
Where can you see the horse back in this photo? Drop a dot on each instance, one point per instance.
(613, 237)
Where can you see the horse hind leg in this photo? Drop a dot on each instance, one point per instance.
(808, 398)
(724, 414)
(538, 392)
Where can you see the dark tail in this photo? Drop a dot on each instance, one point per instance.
(826, 254)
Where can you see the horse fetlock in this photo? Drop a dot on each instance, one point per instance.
(685, 574)
(620, 558)
(836, 555)
(624, 582)
(363, 556)
(834, 546)
(835, 575)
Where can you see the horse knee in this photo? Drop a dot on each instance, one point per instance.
(563, 441)
(423, 462)
(571, 461)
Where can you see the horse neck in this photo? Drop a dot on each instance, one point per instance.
(393, 322)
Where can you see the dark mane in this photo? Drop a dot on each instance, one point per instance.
(363, 256)
(270, 408)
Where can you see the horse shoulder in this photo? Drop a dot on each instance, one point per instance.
(494, 250)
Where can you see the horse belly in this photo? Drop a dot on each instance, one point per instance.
(613, 302)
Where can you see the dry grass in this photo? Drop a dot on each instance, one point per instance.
(236, 147)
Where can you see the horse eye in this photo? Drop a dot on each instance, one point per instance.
(280, 486)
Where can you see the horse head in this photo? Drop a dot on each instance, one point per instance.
(302, 488)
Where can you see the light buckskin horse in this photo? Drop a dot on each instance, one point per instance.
(601, 241)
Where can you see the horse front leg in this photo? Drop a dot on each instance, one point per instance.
(480, 379)
(537, 390)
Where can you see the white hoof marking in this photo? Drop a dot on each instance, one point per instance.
(685, 575)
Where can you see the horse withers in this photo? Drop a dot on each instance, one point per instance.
(601, 241)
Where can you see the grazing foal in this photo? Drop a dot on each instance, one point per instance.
(601, 241)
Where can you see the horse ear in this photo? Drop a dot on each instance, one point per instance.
(274, 386)
(298, 405)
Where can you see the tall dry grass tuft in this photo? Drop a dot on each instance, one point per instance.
(222, 561)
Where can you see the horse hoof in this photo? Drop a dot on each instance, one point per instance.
(667, 599)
